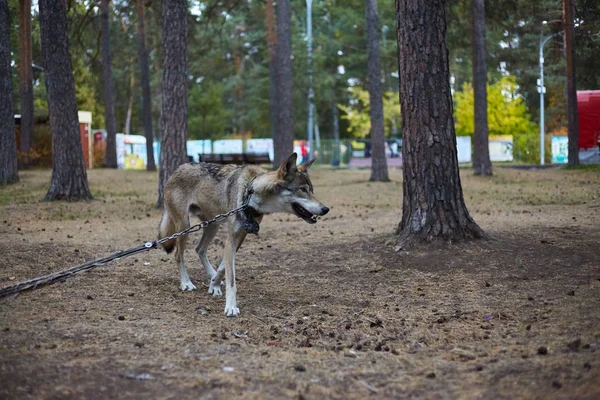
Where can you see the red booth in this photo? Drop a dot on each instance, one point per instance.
(588, 103)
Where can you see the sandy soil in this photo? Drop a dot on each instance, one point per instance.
(327, 310)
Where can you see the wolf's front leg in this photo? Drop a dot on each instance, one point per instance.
(231, 309)
(235, 238)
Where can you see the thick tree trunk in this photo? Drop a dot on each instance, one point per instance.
(145, 82)
(433, 206)
(283, 141)
(109, 103)
(481, 151)
(25, 77)
(8, 141)
(69, 177)
(173, 116)
(572, 116)
(271, 28)
(379, 170)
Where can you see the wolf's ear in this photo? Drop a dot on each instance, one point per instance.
(287, 170)
(304, 167)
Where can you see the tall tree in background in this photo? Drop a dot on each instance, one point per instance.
(173, 117)
(69, 177)
(283, 141)
(107, 77)
(145, 82)
(379, 170)
(572, 116)
(25, 76)
(271, 31)
(481, 150)
(433, 205)
(8, 143)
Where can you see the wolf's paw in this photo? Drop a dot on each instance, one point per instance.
(187, 286)
(232, 311)
(214, 289)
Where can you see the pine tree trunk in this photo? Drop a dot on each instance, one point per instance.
(572, 116)
(240, 111)
(130, 104)
(8, 141)
(433, 205)
(271, 28)
(109, 103)
(379, 170)
(145, 82)
(69, 177)
(25, 77)
(173, 116)
(481, 153)
(283, 141)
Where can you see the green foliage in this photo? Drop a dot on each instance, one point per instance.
(208, 117)
(357, 112)
(228, 60)
(507, 112)
(507, 115)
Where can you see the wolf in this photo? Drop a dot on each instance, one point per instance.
(205, 190)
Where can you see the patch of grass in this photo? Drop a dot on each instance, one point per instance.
(583, 167)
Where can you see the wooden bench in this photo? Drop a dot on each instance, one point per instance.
(236, 158)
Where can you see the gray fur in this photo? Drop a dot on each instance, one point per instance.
(205, 190)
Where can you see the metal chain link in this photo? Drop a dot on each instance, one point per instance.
(201, 225)
(61, 275)
(204, 224)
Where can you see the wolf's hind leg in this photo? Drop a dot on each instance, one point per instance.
(186, 282)
(208, 235)
(214, 287)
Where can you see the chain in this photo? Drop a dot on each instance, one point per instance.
(204, 224)
(62, 275)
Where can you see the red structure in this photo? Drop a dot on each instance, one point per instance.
(588, 102)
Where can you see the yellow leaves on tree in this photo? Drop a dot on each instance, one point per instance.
(507, 112)
(357, 112)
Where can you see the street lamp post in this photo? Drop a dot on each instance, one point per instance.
(311, 94)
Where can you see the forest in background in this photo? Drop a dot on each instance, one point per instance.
(229, 63)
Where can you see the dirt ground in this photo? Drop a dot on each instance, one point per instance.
(327, 310)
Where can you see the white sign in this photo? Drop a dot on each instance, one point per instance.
(463, 147)
(227, 146)
(501, 148)
(560, 149)
(195, 147)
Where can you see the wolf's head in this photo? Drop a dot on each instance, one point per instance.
(287, 190)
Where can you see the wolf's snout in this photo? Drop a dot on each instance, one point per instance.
(324, 210)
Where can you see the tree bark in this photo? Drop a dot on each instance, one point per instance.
(481, 151)
(109, 103)
(173, 117)
(145, 82)
(283, 141)
(69, 177)
(379, 170)
(433, 204)
(130, 105)
(8, 141)
(271, 29)
(238, 59)
(25, 77)
(572, 117)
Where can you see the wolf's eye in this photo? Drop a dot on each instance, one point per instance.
(304, 190)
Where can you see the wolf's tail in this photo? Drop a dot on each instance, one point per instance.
(166, 228)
